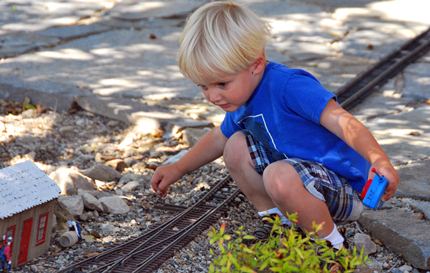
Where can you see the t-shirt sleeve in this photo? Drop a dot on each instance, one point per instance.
(305, 95)
(228, 126)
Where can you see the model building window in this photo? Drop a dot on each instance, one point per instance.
(41, 228)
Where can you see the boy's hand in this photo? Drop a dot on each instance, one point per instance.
(163, 177)
(387, 170)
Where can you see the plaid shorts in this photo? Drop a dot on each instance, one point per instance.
(342, 201)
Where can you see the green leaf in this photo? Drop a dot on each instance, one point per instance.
(285, 251)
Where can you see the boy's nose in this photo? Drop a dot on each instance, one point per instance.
(213, 96)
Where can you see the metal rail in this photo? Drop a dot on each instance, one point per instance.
(147, 252)
(361, 86)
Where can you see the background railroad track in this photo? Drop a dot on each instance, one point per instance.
(146, 252)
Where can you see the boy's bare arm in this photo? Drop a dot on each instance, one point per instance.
(337, 120)
(207, 149)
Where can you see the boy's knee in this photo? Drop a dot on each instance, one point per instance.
(279, 179)
(235, 149)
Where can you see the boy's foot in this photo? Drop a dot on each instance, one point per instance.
(262, 232)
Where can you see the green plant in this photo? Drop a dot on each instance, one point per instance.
(287, 250)
(26, 104)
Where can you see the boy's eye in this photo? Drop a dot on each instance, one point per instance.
(203, 87)
(221, 85)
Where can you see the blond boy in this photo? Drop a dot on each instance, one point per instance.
(285, 140)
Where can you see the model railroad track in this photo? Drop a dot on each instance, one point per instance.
(148, 251)
(360, 87)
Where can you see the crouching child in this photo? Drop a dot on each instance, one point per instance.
(287, 143)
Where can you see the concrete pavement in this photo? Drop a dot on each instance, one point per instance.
(117, 58)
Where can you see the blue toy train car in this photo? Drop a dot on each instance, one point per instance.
(373, 191)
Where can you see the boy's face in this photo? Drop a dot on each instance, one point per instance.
(231, 91)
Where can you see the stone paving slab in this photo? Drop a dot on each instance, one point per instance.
(402, 232)
(418, 205)
(417, 81)
(125, 110)
(73, 32)
(132, 10)
(57, 96)
(415, 182)
(19, 43)
(121, 63)
(31, 15)
(404, 136)
(134, 67)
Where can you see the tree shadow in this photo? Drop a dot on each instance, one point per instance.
(118, 59)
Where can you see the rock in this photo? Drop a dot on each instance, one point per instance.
(67, 131)
(89, 239)
(130, 161)
(114, 204)
(90, 202)
(405, 267)
(175, 158)
(142, 128)
(112, 123)
(70, 180)
(102, 172)
(364, 241)
(192, 135)
(130, 186)
(73, 204)
(363, 269)
(106, 229)
(117, 164)
(180, 125)
(100, 194)
(84, 217)
(30, 113)
(2, 127)
(129, 177)
(105, 185)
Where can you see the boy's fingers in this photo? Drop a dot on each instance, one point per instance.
(389, 192)
(159, 187)
(162, 188)
(155, 182)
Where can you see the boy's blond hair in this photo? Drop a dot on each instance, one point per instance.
(220, 38)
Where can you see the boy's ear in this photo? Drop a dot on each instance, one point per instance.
(259, 64)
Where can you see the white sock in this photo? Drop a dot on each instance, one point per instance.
(275, 210)
(335, 238)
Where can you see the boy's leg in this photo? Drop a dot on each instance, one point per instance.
(315, 193)
(286, 189)
(241, 168)
(246, 161)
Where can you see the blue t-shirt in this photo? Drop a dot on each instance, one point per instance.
(284, 114)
